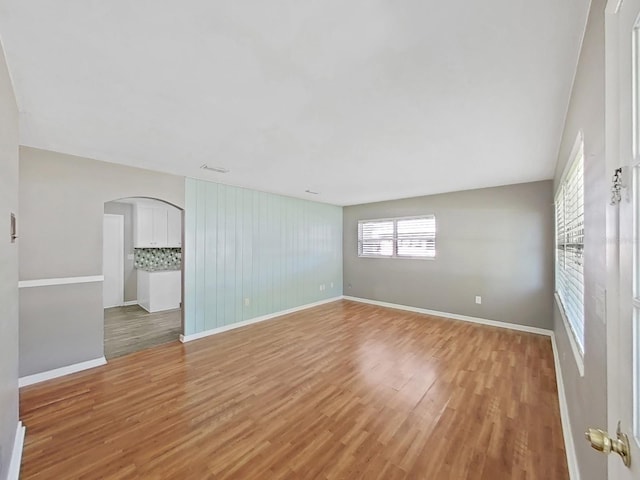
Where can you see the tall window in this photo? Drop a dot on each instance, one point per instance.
(569, 205)
(411, 237)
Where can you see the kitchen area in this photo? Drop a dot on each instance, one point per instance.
(142, 266)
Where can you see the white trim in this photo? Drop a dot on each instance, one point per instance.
(578, 144)
(129, 303)
(16, 455)
(46, 282)
(612, 7)
(59, 372)
(569, 445)
(206, 333)
(572, 336)
(455, 316)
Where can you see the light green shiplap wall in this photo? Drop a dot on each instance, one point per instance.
(242, 244)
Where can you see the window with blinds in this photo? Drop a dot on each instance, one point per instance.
(411, 237)
(569, 206)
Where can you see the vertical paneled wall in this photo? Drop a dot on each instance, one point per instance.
(250, 253)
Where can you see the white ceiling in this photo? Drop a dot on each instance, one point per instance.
(358, 100)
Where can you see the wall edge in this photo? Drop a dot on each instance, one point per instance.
(16, 456)
(569, 445)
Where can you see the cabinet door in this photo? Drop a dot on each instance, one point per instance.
(160, 226)
(144, 227)
(175, 228)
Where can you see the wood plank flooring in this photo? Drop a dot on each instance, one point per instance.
(131, 328)
(341, 391)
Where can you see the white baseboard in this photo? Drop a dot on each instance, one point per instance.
(16, 455)
(59, 372)
(569, 445)
(207, 333)
(129, 303)
(455, 316)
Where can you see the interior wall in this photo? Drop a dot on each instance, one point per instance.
(8, 268)
(251, 253)
(493, 242)
(62, 201)
(586, 395)
(130, 273)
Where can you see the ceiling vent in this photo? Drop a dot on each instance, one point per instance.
(215, 169)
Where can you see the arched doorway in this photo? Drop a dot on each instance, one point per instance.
(142, 268)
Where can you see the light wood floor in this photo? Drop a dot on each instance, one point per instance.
(130, 329)
(341, 391)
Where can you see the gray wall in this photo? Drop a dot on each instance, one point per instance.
(586, 396)
(62, 201)
(8, 268)
(130, 273)
(493, 242)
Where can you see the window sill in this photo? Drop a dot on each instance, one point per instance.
(392, 257)
(579, 357)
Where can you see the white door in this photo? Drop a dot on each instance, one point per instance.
(623, 264)
(113, 261)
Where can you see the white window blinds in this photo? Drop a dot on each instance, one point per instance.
(569, 207)
(413, 237)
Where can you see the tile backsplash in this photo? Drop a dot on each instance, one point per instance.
(158, 258)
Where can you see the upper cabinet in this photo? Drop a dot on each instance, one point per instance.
(174, 230)
(157, 226)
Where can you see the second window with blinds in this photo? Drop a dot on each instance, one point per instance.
(569, 205)
(405, 237)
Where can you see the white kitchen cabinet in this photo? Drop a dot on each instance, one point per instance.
(159, 290)
(174, 228)
(160, 225)
(157, 227)
(143, 229)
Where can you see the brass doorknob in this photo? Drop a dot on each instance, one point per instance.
(601, 442)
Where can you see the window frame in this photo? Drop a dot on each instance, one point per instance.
(567, 313)
(394, 238)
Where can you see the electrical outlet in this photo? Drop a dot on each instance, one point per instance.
(246, 302)
(478, 299)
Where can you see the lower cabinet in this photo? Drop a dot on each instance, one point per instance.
(159, 290)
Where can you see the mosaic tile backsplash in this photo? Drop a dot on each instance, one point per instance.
(152, 259)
